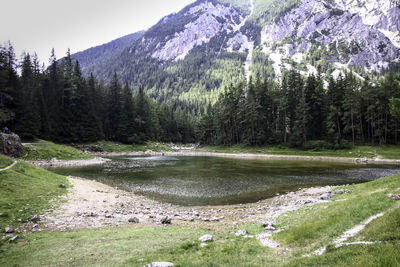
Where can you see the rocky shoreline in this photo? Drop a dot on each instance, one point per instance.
(188, 153)
(90, 204)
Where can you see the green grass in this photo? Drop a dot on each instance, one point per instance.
(5, 161)
(106, 247)
(123, 148)
(387, 152)
(305, 230)
(45, 150)
(26, 190)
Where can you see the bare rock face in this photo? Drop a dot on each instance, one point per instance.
(10, 145)
(361, 33)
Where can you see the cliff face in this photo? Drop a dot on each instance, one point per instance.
(362, 34)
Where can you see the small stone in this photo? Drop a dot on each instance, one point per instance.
(166, 220)
(117, 196)
(160, 264)
(134, 220)
(108, 216)
(206, 238)
(326, 196)
(394, 197)
(342, 191)
(34, 218)
(206, 220)
(63, 186)
(241, 232)
(269, 226)
(9, 230)
(202, 245)
(265, 242)
(215, 219)
(13, 238)
(235, 224)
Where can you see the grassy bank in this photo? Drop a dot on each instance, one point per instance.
(5, 161)
(387, 151)
(305, 230)
(45, 150)
(26, 190)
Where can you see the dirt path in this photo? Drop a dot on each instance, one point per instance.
(9, 167)
(90, 204)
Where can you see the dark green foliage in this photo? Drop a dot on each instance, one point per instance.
(59, 104)
(303, 114)
(8, 85)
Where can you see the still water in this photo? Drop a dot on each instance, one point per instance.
(219, 181)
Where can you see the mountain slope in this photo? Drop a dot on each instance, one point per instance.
(188, 58)
(94, 55)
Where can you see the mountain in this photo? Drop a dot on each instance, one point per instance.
(188, 58)
(95, 55)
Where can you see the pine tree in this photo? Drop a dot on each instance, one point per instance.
(113, 110)
(28, 118)
(127, 127)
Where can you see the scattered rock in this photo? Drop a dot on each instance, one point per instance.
(166, 220)
(269, 226)
(235, 224)
(34, 218)
(325, 196)
(215, 219)
(394, 197)
(206, 238)
(266, 242)
(160, 264)
(63, 186)
(342, 191)
(241, 232)
(9, 230)
(202, 245)
(134, 220)
(13, 238)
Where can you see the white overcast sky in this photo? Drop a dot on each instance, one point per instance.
(39, 25)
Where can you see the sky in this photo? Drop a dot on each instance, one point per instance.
(40, 25)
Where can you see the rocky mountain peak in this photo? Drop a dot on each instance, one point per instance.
(205, 21)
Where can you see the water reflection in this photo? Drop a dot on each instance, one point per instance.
(216, 181)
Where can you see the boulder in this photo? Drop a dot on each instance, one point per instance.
(10, 145)
(206, 238)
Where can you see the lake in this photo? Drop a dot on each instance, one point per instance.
(196, 181)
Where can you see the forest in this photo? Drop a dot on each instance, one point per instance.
(305, 112)
(57, 103)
